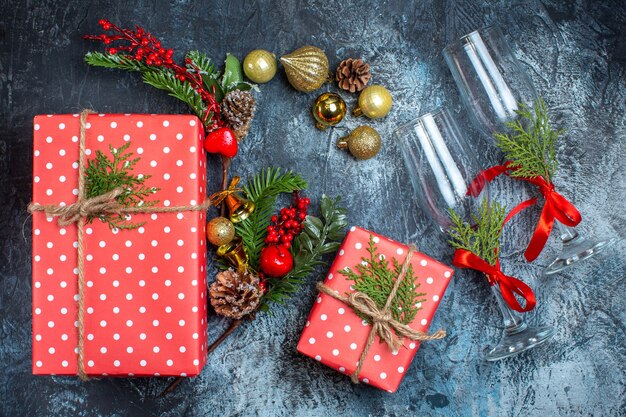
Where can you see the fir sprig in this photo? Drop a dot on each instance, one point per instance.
(375, 278)
(263, 189)
(104, 174)
(482, 238)
(531, 143)
(321, 236)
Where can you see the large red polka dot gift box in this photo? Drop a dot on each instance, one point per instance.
(140, 308)
(374, 309)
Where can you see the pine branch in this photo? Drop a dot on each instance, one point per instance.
(103, 175)
(375, 278)
(483, 237)
(210, 75)
(263, 189)
(118, 61)
(321, 236)
(531, 143)
(166, 80)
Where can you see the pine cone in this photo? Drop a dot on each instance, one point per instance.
(235, 295)
(238, 110)
(352, 74)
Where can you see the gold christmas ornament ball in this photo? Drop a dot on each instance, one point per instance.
(260, 66)
(220, 231)
(363, 142)
(374, 102)
(306, 68)
(328, 110)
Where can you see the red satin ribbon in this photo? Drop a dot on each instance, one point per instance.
(555, 207)
(509, 286)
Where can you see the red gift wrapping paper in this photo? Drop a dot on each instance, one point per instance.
(144, 293)
(336, 336)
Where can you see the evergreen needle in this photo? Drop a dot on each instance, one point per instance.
(483, 237)
(530, 145)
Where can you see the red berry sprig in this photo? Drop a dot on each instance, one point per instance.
(288, 224)
(144, 47)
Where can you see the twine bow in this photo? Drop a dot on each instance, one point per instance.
(383, 324)
(217, 198)
(556, 207)
(85, 208)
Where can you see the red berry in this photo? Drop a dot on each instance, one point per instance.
(275, 218)
(276, 261)
(112, 51)
(307, 201)
(302, 216)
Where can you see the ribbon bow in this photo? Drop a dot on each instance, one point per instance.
(556, 207)
(509, 286)
(217, 198)
(383, 324)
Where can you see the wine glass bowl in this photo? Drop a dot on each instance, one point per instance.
(491, 81)
(441, 165)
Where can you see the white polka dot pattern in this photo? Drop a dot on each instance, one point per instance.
(339, 335)
(126, 296)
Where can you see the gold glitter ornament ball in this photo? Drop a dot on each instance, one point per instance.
(328, 110)
(306, 68)
(260, 66)
(374, 102)
(363, 142)
(220, 231)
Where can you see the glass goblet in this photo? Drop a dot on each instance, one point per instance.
(441, 167)
(492, 85)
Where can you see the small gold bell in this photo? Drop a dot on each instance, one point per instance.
(238, 207)
(234, 253)
(374, 102)
(328, 110)
(363, 142)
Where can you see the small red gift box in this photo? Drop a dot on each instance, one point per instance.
(144, 294)
(335, 335)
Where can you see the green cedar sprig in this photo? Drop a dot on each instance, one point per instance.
(482, 238)
(375, 277)
(531, 143)
(104, 174)
(321, 236)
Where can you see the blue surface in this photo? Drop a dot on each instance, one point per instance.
(574, 52)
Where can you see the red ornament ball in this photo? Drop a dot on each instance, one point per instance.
(276, 261)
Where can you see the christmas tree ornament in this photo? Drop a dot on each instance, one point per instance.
(238, 207)
(276, 261)
(234, 253)
(221, 141)
(260, 66)
(306, 68)
(328, 110)
(352, 74)
(238, 110)
(374, 102)
(220, 231)
(363, 142)
(235, 294)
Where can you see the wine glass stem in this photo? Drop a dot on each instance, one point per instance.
(566, 233)
(513, 321)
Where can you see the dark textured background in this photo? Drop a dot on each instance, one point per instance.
(575, 53)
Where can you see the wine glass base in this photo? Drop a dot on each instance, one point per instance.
(575, 250)
(519, 339)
